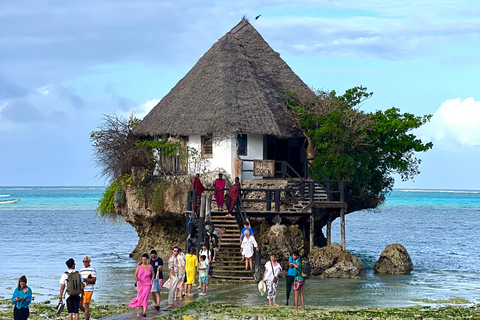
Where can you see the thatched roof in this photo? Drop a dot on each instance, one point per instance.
(236, 87)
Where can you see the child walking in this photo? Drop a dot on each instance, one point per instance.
(202, 268)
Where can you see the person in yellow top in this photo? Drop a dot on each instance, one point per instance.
(191, 270)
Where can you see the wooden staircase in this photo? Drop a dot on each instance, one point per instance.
(305, 205)
(228, 266)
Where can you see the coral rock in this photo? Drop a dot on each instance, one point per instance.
(394, 260)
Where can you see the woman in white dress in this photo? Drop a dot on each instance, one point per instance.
(272, 270)
(248, 244)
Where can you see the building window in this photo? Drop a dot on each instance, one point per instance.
(242, 144)
(207, 149)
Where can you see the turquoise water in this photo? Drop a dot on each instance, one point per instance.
(439, 228)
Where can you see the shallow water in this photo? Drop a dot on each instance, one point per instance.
(439, 230)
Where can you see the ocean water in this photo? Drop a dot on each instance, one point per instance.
(439, 228)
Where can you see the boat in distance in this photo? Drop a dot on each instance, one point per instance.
(5, 198)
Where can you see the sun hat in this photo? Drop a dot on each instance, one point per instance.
(262, 287)
(60, 307)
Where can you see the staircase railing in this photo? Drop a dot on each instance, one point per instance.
(309, 166)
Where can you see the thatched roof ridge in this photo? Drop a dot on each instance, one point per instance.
(235, 87)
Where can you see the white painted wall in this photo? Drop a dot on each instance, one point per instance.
(223, 153)
(254, 151)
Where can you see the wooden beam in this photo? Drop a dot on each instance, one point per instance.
(329, 230)
(342, 227)
(312, 231)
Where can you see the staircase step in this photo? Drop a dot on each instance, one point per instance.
(233, 278)
(231, 272)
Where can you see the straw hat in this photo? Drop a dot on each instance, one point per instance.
(262, 287)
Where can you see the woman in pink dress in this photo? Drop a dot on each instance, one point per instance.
(144, 275)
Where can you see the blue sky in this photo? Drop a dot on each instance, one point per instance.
(64, 64)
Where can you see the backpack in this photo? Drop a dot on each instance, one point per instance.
(73, 283)
(306, 268)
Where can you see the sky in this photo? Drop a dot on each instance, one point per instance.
(66, 64)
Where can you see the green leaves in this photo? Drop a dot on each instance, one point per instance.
(362, 149)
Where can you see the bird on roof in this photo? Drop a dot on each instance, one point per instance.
(256, 18)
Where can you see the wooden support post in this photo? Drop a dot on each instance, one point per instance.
(278, 220)
(268, 197)
(277, 201)
(342, 227)
(329, 231)
(201, 221)
(208, 208)
(312, 231)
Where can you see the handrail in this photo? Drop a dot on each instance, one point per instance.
(308, 166)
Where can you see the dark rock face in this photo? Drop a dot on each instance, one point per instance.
(394, 260)
(333, 262)
(280, 240)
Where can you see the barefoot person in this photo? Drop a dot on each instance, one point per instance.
(22, 296)
(144, 276)
(299, 282)
(89, 275)
(270, 277)
(248, 244)
(191, 270)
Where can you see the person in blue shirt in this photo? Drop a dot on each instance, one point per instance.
(22, 296)
(292, 272)
(299, 283)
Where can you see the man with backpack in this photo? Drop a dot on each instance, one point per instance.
(71, 285)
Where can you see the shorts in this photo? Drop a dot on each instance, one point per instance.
(157, 285)
(298, 285)
(203, 279)
(73, 304)
(87, 296)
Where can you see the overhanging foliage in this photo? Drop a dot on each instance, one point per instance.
(363, 149)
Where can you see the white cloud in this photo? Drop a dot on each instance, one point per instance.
(145, 108)
(455, 122)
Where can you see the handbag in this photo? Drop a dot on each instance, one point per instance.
(275, 279)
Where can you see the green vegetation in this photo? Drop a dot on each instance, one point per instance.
(363, 149)
(451, 300)
(201, 310)
(46, 310)
(158, 198)
(129, 161)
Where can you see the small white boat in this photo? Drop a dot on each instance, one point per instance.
(5, 198)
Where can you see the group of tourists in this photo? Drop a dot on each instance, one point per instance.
(182, 270)
(76, 287)
(225, 202)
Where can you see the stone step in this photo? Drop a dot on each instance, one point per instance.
(233, 277)
(219, 271)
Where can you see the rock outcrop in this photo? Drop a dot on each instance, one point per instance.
(333, 262)
(394, 260)
(281, 240)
